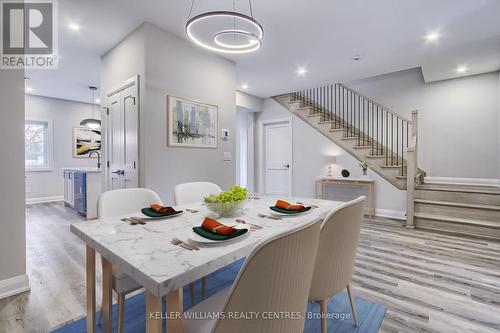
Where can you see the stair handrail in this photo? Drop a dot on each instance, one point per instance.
(412, 171)
(376, 103)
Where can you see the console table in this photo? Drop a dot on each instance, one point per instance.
(361, 181)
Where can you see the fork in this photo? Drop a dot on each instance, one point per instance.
(132, 221)
(303, 204)
(137, 220)
(177, 241)
(255, 226)
(269, 216)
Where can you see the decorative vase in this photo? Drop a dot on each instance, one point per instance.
(345, 173)
(365, 171)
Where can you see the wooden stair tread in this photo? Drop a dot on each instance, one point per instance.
(459, 188)
(441, 218)
(458, 204)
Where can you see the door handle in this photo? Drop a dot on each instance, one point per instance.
(286, 166)
(119, 172)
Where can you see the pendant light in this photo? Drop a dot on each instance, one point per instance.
(225, 31)
(92, 123)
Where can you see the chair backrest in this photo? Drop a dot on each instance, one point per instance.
(275, 278)
(338, 242)
(125, 201)
(194, 192)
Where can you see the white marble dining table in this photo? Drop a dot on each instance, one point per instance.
(145, 253)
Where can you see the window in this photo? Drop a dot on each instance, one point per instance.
(38, 145)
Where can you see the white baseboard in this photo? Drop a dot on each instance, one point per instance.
(392, 214)
(462, 181)
(44, 199)
(13, 286)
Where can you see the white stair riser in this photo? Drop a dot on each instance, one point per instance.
(456, 228)
(461, 197)
(459, 212)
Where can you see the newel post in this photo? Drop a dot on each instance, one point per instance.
(411, 174)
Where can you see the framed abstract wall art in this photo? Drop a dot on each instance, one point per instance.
(86, 140)
(191, 124)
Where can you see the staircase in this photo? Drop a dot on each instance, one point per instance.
(363, 128)
(458, 209)
(371, 132)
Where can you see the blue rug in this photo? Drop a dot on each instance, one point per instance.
(370, 314)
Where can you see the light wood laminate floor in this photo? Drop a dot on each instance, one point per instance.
(428, 282)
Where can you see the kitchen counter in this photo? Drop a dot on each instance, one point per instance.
(82, 187)
(87, 170)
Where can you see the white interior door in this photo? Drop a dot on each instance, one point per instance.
(278, 158)
(122, 138)
(131, 137)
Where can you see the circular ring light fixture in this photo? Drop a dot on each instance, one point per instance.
(244, 40)
(253, 40)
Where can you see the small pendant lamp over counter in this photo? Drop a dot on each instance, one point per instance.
(92, 123)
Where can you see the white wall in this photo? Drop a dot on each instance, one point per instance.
(124, 61)
(64, 116)
(169, 65)
(12, 221)
(249, 102)
(246, 105)
(176, 67)
(458, 119)
(309, 151)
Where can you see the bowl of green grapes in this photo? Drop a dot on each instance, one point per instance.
(228, 202)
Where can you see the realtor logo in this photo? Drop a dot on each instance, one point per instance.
(29, 34)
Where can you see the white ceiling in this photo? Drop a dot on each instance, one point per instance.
(321, 35)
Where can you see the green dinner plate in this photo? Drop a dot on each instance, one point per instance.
(216, 237)
(286, 211)
(151, 213)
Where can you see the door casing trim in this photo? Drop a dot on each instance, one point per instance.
(262, 157)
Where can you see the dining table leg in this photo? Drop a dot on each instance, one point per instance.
(90, 268)
(175, 311)
(154, 313)
(107, 296)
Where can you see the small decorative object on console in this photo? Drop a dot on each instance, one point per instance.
(345, 173)
(364, 166)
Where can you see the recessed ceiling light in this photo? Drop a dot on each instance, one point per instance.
(357, 57)
(301, 71)
(98, 100)
(432, 36)
(244, 86)
(28, 89)
(74, 27)
(461, 69)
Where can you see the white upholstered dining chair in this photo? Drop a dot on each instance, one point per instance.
(274, 279)
(187, 193)
(120, 202)
(336, 254)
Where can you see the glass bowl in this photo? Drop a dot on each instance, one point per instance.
(225, 208)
